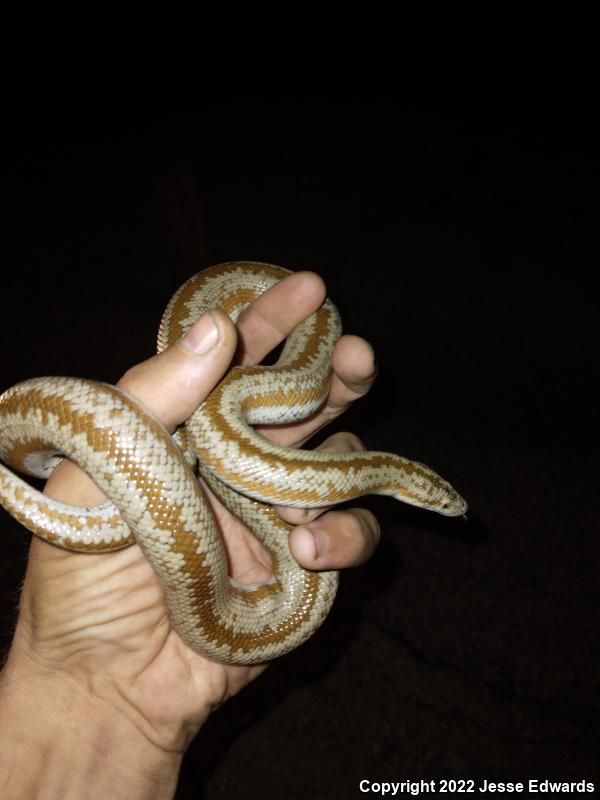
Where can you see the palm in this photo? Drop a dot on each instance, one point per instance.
(107, 616)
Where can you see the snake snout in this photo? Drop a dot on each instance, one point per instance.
(454, 505)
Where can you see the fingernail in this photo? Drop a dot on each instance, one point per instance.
(321, 542)
(317, 541)
(202, 336)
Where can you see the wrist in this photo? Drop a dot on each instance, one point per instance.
(59, 740)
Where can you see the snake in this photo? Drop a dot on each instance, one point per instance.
(155, 483)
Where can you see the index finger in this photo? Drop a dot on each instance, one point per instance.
(272, 316)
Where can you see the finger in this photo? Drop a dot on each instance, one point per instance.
(342, 442)
(336, 540)
(272, 316)
(354, 372)
(353, 375)
(171, 385)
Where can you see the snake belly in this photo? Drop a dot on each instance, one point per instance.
(156, 499)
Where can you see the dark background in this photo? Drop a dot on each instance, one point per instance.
(459, 239)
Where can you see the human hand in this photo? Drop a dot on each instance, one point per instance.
(98, 625)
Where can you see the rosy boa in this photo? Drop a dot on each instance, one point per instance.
(156, 500)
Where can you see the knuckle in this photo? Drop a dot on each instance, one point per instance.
(344, 442)
(353, 442)
(370, 528)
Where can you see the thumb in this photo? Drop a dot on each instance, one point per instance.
(171, 385)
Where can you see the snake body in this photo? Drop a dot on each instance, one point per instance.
(156, 499)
